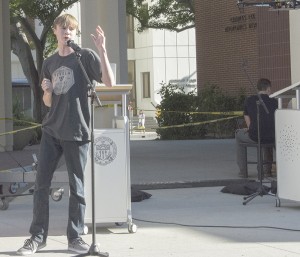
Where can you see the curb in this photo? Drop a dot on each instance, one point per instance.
(188, 184)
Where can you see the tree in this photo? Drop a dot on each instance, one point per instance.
(24, 39)
(175, 15)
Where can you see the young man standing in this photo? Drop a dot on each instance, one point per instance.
(66, 130)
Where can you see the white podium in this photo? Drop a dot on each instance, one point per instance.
(288, 153)
(287, 124)
(111, 163)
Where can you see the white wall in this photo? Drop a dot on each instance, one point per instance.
(111, 16)
(294, 45)
(169, 57)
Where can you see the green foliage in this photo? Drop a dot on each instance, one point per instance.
(39, 9)
(178, 108)
(23, 15)
(175, 15)
(45, 11)
(51, 45)
(175, 109)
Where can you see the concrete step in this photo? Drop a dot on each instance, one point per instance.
(150, 123)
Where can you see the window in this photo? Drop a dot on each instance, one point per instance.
(22, 96)
(130, 31)
(146, 84)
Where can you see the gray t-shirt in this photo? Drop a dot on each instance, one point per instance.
(69, 116)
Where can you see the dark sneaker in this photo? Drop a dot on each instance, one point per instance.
(78, 246)
(30, 247)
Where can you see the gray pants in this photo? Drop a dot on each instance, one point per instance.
(75, 153)
(242, 136)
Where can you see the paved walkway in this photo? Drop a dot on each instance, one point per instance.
(164, 162)
(177, 222)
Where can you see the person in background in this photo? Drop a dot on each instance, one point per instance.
(130, 115)
(142, 118)
(66, 130)
(250, 133)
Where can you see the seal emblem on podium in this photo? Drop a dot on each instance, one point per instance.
(105, 150)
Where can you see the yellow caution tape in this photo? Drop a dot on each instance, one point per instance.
(197, 123)
(34, 125)
(237, 113)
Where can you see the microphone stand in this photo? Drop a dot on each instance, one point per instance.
(94, 249)
(261, 190)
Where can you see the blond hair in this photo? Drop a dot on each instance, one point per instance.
(66, 20)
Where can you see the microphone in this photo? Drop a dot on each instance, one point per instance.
(73, 45)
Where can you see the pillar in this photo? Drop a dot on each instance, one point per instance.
(5, 77)
(294, 45)
(111, 16)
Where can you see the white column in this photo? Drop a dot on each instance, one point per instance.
(294, 45)
(5, 77)
(111, 16)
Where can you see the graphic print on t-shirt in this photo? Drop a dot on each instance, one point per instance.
(62, 80)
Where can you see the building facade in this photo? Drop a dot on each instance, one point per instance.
(236, 46)
(161, 57)
(158, 57)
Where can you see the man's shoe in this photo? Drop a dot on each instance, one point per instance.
(78, 246)
(30, 247)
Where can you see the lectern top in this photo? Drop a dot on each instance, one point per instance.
(112, 95)
(287, 91)
(116, 89)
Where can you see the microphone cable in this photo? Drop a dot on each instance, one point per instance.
(215, 226)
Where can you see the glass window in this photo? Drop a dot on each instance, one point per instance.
(146, 84)
(130, 31)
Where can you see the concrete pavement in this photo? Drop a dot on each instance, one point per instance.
(188, 222)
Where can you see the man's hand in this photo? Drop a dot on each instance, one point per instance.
(107, 74)
(47, 86)
(99, 39)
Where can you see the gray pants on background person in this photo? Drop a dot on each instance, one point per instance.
(75, 153)
(242, 136)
